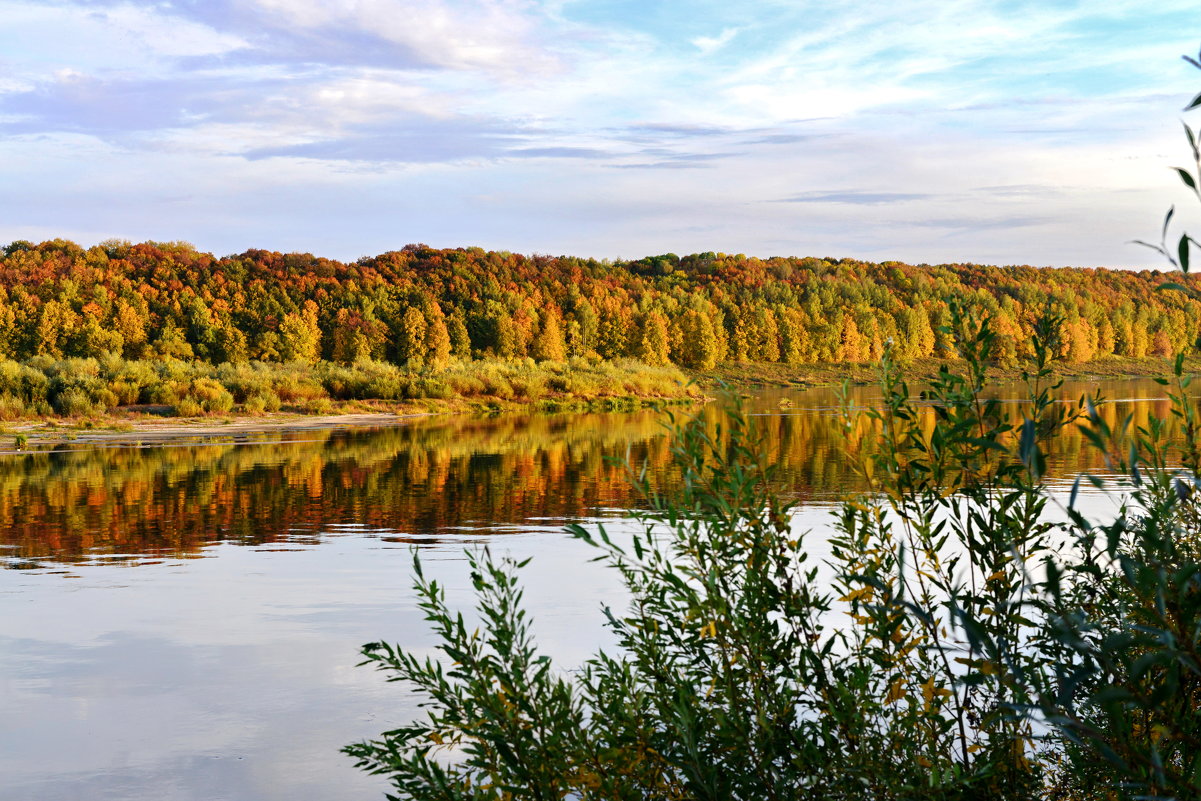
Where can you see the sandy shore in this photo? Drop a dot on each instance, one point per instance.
(150, 430)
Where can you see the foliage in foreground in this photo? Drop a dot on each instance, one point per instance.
(958, 642)
(961, 639)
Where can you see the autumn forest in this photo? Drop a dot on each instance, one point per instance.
(87, 329)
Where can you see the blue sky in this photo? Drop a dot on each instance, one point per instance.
(993, 132)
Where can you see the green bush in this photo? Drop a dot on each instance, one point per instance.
(430, 388)
(11, 408)
(730, 680)
(271, 402)
(188, 407)
(388, 386)
(528, 387)
(255, 406)
(23, 381)
(129, 381)
(75, 402)
(211, 395)
(76, 389)
(950, 646)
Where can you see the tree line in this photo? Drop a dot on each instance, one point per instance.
(423, 307)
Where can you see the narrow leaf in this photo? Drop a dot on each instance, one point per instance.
(1187, 177)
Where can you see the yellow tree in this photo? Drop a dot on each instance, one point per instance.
(699, 347)
(300, 336)
(549, 344)
(655, 344)
(410, 338)
(437, 335)
(850, 341)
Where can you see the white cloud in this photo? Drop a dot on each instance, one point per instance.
(166, 34)
(496, 35)
(707, 44)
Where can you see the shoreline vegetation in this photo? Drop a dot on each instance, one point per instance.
(46, 401)
(80, 401)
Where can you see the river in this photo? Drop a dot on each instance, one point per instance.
(181, 622)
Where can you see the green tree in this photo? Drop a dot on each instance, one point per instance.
(171, 342)
(460, 340)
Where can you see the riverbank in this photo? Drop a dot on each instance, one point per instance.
(752, 374)
(68, 398)
(499, 387)
(143, 425)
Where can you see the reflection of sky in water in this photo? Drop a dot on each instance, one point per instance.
(156, 676)
(234, 676)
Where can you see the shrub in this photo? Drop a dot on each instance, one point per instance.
(129, 381)
(243, 381)
(188, 407)
(430, 388)
(256, 405)
(297, 384)
(11, 408)
(211, 395)
(76, 389)
(497, 386)
(23, 381)
(528, 387)
(319, 406)
(75, 402)
(387, 386)
(465, 385)
(953, 648)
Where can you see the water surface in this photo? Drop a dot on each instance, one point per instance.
(183, 622)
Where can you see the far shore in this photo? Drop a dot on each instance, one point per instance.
(136, 426)
(146, 425)
(759, 374)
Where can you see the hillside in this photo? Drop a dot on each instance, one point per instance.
(420, 307)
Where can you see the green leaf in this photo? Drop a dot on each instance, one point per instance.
(1187, 177)
(1172, 285)
(1196, 101)
(1183, 251)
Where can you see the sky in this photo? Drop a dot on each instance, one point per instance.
(927, 131)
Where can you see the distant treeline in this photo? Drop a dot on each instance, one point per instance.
(423, 307)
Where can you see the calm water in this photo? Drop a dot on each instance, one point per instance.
(184, 622)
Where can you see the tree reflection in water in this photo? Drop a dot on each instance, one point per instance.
(428, 477)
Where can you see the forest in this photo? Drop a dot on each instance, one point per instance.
(407, 315)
